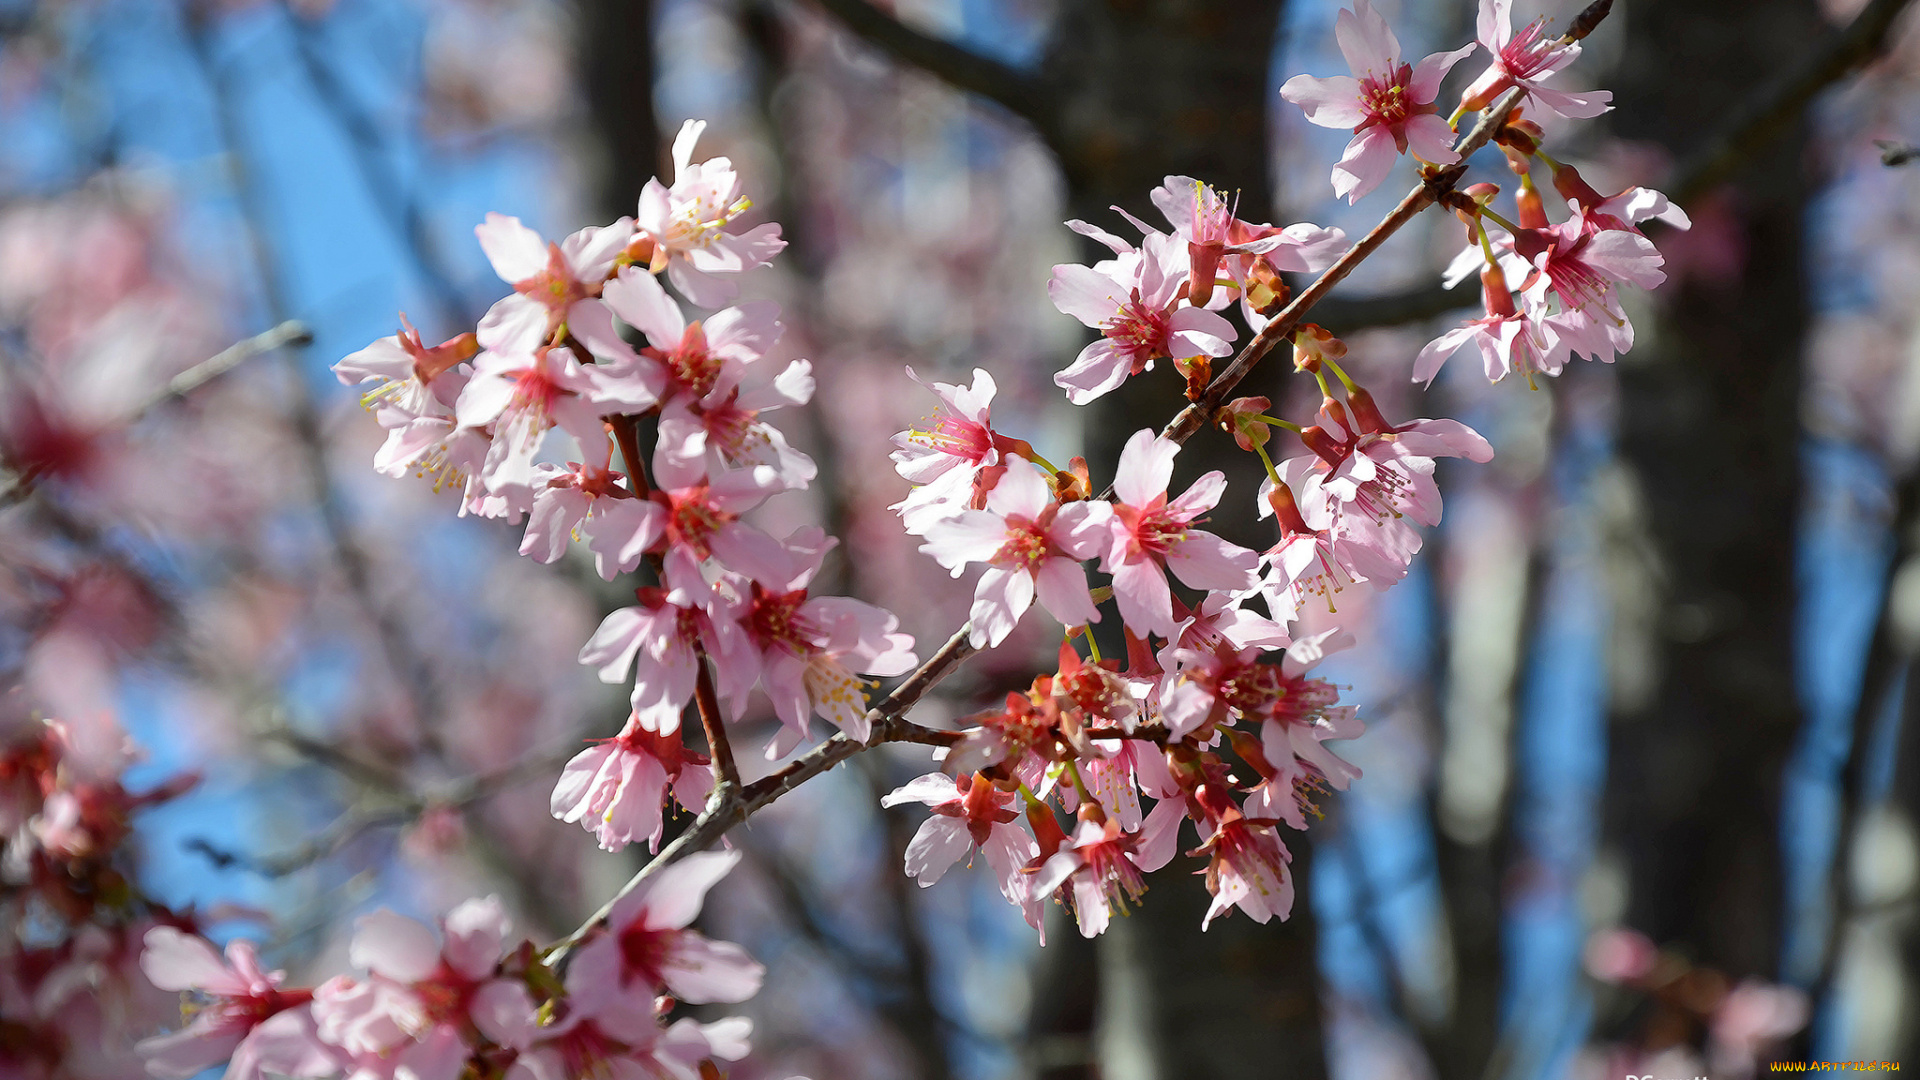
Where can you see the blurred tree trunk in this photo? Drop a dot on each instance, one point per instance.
(1709, 422)
(616, 63)
(1144, 89)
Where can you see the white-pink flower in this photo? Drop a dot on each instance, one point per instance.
(553, 284)
(1387, 103)
(813, 649)
(662, 630)
(421, 995)
(1581, 267)
(1508, 339)
(1135, 301)
(617, 788)
(1032, 545)
(408, 375)
(648, 948)
(589, 502)
(241, 1001)
(703, 513)
(688, 224)
(1151, 535)
(968, 813)
(1247, 869)
(1204, 220)
(525, 395)
(944, 455)
(1527, 59)
(1103, 864)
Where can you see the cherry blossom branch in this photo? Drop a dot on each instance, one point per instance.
(1772, 109)
(1434, 184)
(888, 719)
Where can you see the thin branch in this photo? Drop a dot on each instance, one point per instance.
(711, 722)
(1433, 185)
(292, 332)
(355, 823)
(1775, 109)
(887, 720)
(960, 67)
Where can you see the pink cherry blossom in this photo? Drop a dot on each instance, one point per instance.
(1247, 868)
(662, 629)
(553, 284)
(1104, 864)
(1311, 559)
(1581, 267)
(1508, 340)
(1527, 59)
(1032, 545)
(1134, 300)
(1388, 103)
(688, 224)
(969, 813)
(1151, 535)
(410, 1015)
(1204, 220)
(407, 374)
(617, 787)
(589, 502)
(241, 998)
(1625, 210)
(523, 396)
(812, 649)
(1222, 621)
(946, 453)
(704, 359)
(647, 946)
(703, 513)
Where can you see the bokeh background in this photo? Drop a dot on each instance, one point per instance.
(1641, 775)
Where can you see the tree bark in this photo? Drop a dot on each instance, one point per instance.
(616, 59)
(1710, 424)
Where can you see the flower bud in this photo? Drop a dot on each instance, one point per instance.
(1366, 413)
(1533, 209)
(1266, 293)
(1571, 185)
(1521, 136)
(1330, 450)
(1313, 343)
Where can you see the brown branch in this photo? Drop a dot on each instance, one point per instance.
(962, 68)
(711, 722)
(1432, 186)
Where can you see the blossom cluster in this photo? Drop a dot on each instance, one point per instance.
(470, 1000)
(1208, 712)
(1213, 715)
